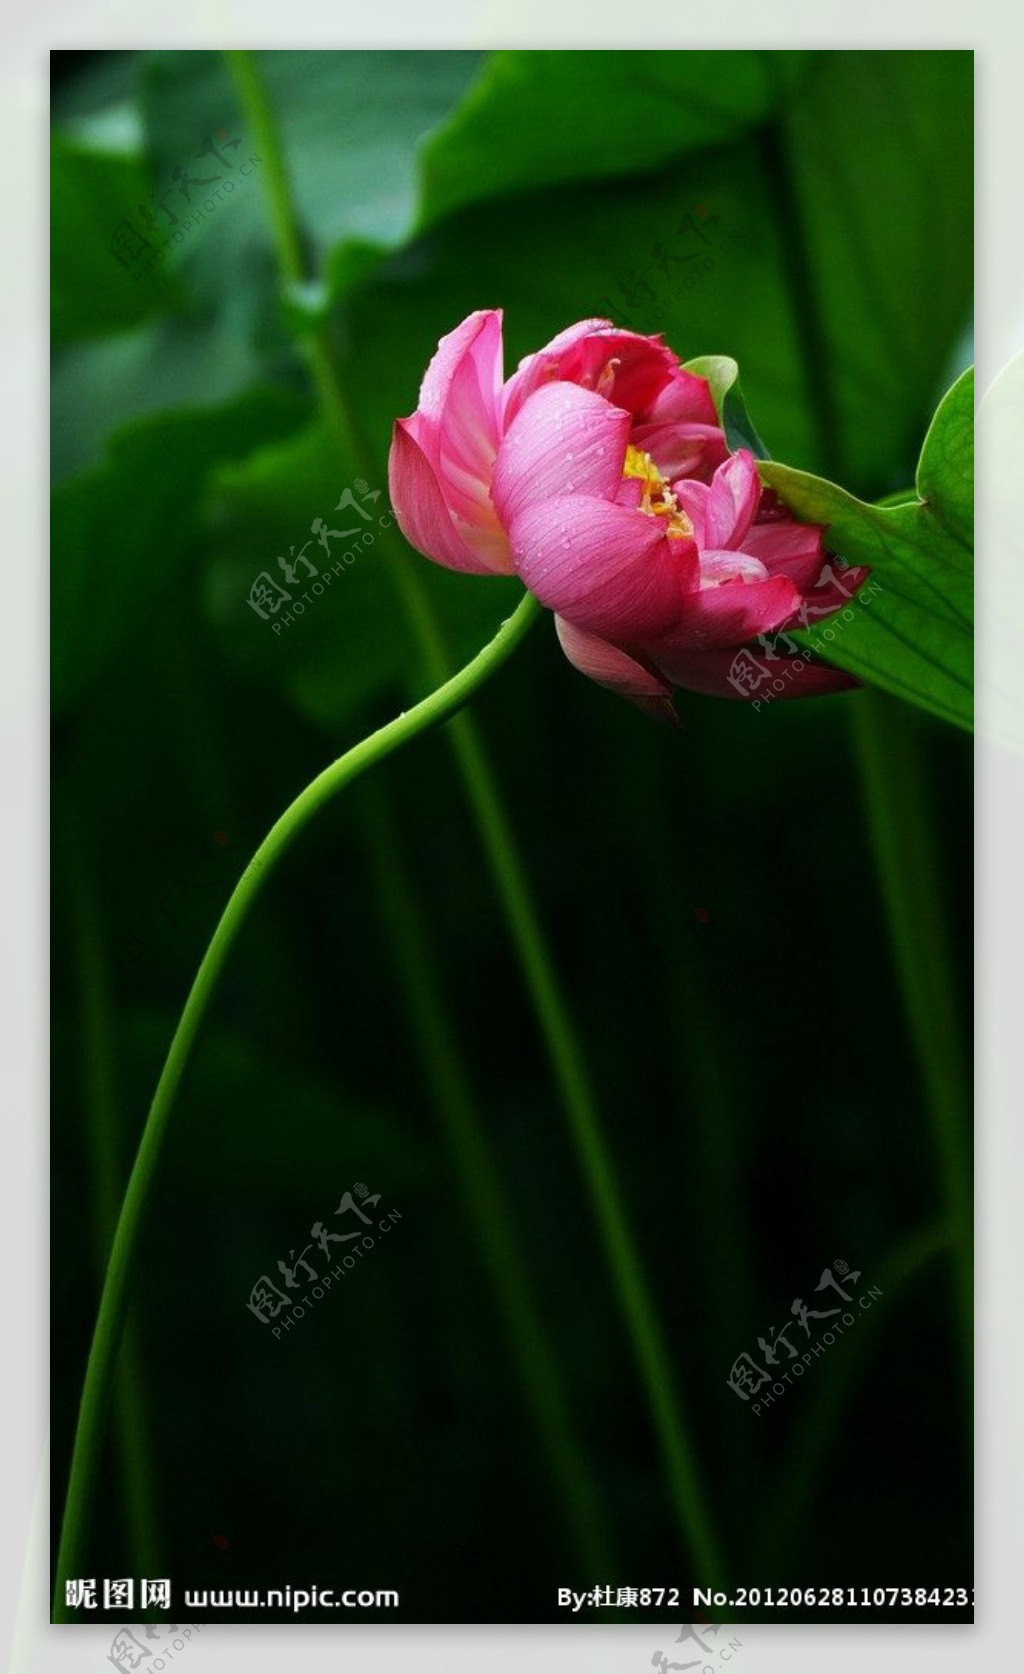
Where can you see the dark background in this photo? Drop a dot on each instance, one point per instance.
(710, 896)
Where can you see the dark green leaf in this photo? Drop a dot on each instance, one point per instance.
(92, 193)
(350, 645)
(351, 124)
(530, 120)
(121, 533)
(872, 190)
(723, 284)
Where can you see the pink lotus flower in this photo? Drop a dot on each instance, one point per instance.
(599, 474)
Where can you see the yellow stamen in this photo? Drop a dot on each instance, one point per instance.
(658, 499)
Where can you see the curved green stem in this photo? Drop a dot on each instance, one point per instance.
(642, 1324)
(432, 712)
(101, 1126)
(315, 344)
(256, 105)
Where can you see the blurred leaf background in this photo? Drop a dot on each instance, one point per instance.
(719, 903)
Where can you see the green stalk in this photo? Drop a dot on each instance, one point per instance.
(642, 1324)
(101, 1126)
(905, 853)
(486, 1203)
(907, 861)
(431, 712)
(707, 1095)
